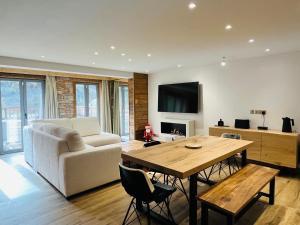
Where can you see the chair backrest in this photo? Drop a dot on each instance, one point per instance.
(136, 183)
(231, 136)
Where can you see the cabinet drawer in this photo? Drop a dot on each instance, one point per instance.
(254, 151)
(279, 149)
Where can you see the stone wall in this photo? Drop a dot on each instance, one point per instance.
(66, 97)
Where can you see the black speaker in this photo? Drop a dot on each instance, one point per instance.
(242, 124)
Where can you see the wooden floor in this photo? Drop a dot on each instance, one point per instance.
(27, 199)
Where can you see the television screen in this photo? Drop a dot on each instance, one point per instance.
(182, 98)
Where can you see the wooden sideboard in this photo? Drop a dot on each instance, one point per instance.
(273, 147)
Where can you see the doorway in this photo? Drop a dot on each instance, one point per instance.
(21, 102)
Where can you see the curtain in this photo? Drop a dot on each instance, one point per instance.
(116, 109)
(51, 104)
(106, 124)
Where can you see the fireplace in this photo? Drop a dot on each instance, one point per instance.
(178, 127)
(173, 128)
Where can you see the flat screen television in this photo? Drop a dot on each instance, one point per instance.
(181, 98)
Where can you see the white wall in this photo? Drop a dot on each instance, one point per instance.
(271, 83)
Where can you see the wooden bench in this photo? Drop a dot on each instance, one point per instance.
(236, 194)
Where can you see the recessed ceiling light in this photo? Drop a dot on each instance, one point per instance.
(267, 50)
(179, 65)
(149, 55)
(228, 27)
(93, 63)
(112, 47)
(192, 5)
(42, 56)
(123, 54)
(223, 62)
(96, 53)
(129, 60)
(251, 40)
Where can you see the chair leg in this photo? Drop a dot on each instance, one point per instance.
(229, 166)
(220, 167)
(128, 210)
(153, 176)
(148, 214)
(184, 191)
(236, 163)
(169, 212)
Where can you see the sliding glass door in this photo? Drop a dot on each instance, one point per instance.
(21, 101)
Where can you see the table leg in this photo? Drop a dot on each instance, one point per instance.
(244, 158)
(272, 192)
(193, 200)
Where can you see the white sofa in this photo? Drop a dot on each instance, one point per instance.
(72, 154)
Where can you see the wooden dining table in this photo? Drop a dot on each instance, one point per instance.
(175, 159)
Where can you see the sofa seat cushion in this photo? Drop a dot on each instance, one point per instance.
(101, 139)
(86, 126)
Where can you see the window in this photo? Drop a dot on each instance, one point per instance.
(21, 101)
(124, 112)
(87, 100)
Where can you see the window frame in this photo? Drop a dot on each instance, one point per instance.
(122, 109)
(86, 98)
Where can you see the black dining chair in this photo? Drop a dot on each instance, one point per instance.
(232, 163)
(167, 179)
(144, 191)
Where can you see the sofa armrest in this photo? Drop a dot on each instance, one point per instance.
(89, 168)
(46, 151)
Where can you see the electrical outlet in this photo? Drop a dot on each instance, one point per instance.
(258, 112)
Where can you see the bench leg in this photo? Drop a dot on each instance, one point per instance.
(204, 214)
(230, 220)
(272, 192)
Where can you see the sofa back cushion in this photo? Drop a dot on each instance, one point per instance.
(86, 126)
(67, 123)
(72, 137)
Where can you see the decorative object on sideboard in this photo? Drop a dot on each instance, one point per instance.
(220, 123)
(263, 127)
(287, 125)
(242, 124)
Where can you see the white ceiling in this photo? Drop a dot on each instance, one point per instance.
(69, 31)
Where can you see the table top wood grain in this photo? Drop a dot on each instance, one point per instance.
(175, 159)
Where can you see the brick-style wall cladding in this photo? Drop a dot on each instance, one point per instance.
(66, 97)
